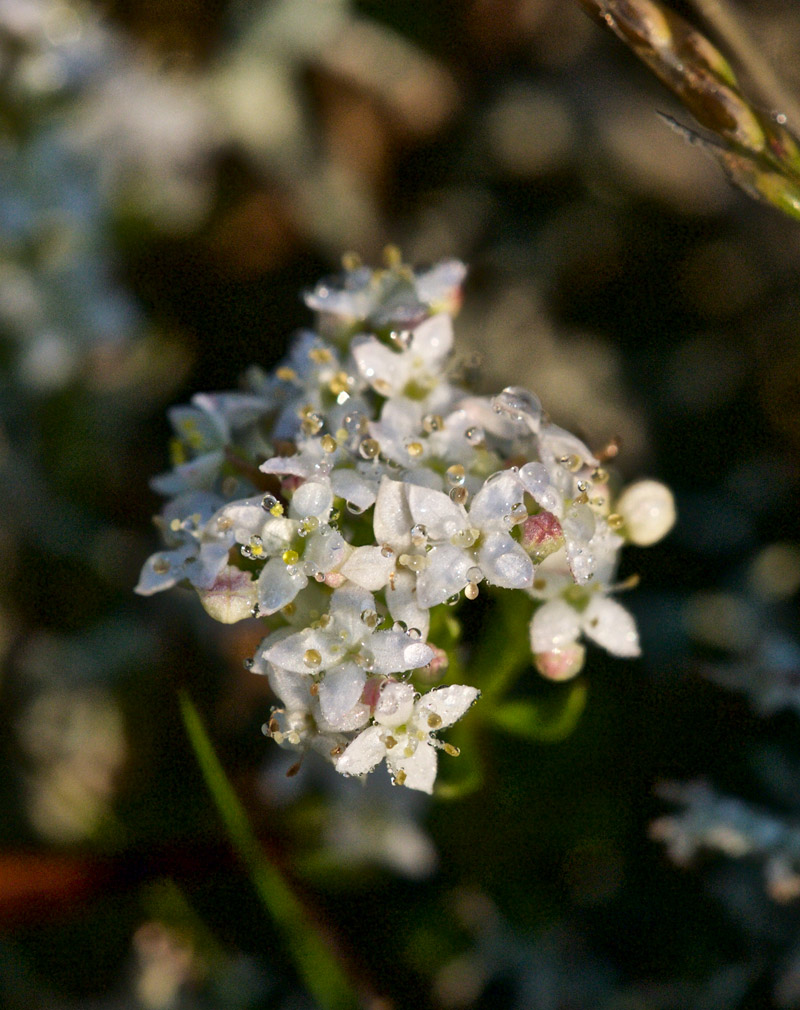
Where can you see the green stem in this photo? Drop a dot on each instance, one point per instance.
(324, 977)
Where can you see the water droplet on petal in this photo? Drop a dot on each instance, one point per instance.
(368, 448)
(520, 405)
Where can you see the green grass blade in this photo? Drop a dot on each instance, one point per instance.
(318, 968)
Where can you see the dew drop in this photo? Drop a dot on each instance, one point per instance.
(368, 448)
(459, 495)
(355, 510)
(520, 405)
(456, 475)
(271, 504)
(432, 423)
(471, 591)
(387, 551)
(475, 435)
(328, 443)
(161, 565)
(224, 523)
(615, 521)
(370, 618)
(290, 557)
(312, 658)
(355, 423)
(401, 338)
(414, 449)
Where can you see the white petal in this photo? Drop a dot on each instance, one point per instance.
(496, 498)
(340, 691)
(353, 487)
(395, 652)
(440, 516)
(448, 703)
(326, 552)
(368, 568)
(384, 369)
(554, 626)
(291, 688)
(395, 704)
(433, 338)
(401, 599)
(609, 624)
(277, 586)
(363, 753)
(197, 473)
(314, 498)
(163, 570)
(503, 562)
(445, 575)
(420, 768)
(392, 520)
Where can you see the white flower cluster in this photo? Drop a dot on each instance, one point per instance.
(356, 488)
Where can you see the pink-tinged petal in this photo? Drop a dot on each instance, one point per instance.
(555, 625)
(419, 769)
(561, 664)
(232, 597)
(609, 624)
(503, 562)
(339, 692)
(368, 568)
(542, 535)
(448, 703)
(363, 753)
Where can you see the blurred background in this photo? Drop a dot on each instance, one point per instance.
(172, 177)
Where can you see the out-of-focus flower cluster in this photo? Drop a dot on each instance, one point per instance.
(347, 495)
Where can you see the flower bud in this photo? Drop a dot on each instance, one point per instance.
(648, 510)
(561, 664)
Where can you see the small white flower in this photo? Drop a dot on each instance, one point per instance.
(416, 372)
(557, 625)
(345, 646)
(446, 547)
(296, 547)
(403, 733)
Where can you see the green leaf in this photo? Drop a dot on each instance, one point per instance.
(545, 722)
(316, 964)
